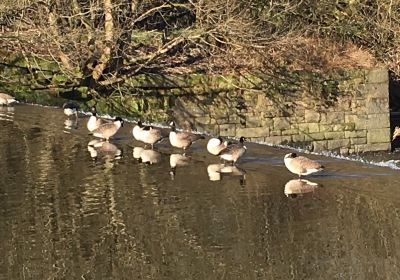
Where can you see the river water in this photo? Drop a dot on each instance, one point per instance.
(72, 212)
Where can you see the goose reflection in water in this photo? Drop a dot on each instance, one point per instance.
(178, 160)
(218, 170)
(70, 124)
(146, 156)
(6, 113)
(96, 147)
(296, 187)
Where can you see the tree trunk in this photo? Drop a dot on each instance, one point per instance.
(108, 36)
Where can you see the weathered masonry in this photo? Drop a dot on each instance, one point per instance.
(345, 112)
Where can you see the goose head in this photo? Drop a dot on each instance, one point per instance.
(291, 155)
(93, 111)
(172, 125)
(119, 119)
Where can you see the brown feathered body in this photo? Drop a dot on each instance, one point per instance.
(301, 165)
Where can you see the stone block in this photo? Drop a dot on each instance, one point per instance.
(267, 122)
(314, 136)
(360, 122)
(360, 148)
(334, 117)
(253, 122)
(338, 143)
(377, 147)
(377, 105)
(374, 90)
(290, 131)
(203, 120)
(298, 138)
(325, 127)
(227, 130)
(358, 141)
(303, 127)
(275, 133)
(313, 127)
(319, 146)
(378, 120)
(380, 135)
(252, 132)
(311, 116)
(377, 76)
(281, 123)
(355, 134)
(334, 135)
(207, 128)
(344, 151)
(278, 140)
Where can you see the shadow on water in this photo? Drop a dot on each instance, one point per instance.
(109, 210)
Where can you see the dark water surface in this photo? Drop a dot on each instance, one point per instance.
(69, 212)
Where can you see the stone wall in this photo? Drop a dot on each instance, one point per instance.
(345, 112)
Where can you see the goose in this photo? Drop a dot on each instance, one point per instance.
(94, 122)
(6, 99)
(234, 151)
(216, 145)
(396, 133)
(147, 134)
(182, 140)
(108, 130)
(299, 186)
(300, 165)
(70, 108)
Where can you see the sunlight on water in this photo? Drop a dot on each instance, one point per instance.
(75, 207)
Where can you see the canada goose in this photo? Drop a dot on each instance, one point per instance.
(97, 146)
(299, 186)
(70, 108)
(300, 165)
(94, 122)
(178, 160)
(396, 133)
(182, 140)
(234, 151)
(6, 99)
(108, 130)
(147, 134)
(216, 145)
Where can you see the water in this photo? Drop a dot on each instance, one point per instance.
(68, 212)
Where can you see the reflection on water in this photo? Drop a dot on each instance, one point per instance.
(96, 147)
(217, 171)
(299, 186)
(148, 156)
(178, 160)
(64, 215)
(6, 113)
(70, 124)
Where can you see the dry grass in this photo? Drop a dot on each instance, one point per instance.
(299, 53)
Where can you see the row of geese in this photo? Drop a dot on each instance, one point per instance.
(150, 135)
